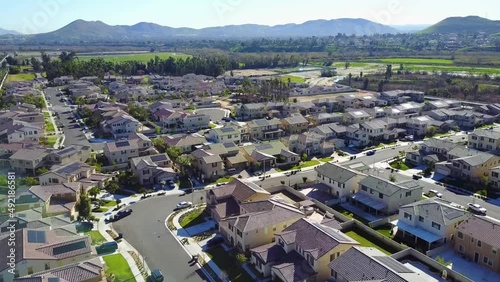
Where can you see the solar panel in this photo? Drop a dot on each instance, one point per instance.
(69, 248)
(229, 145)
(393, 264)
(263, 147)
(53, 279)
(69, 168)
(158, 158)
(36, 236)
(67, 150)
(122, 144)
(227, 129)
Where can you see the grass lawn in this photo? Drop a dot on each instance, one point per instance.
(118, 266)
(400, 165)
(110, 204)
(101, 209)
(228, 264)
(96, 237)
(303, 165)
(293, 78)
(364, 241)
(192, 218)
(51, 140)
(385, 230)
(327, 159)
(20, 77)
(421, 61)
(212, 125)
(142, 57)
(222, 180)
(49, 126)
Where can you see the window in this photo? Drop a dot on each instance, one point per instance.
(281, 243)
(47, 266)
(494, 251)
(239, 233)
(407, 216)
(436, 225)
(30, 270)
(460, 235)
(380, 195)
(479, 243)
(486, 260)
(371, 191)
(408, 194)
(460, 249)
(421, 218)
(364, 188)
(214, 165)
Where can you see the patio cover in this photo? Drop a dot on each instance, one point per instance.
(419, 232)
(367, 200)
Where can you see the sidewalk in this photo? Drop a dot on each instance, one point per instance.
(194, 248)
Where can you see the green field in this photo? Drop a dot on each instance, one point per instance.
(20, 77)
(296, 79)
(418, 61)
(473, 70)
(118, 266)
(142, 57)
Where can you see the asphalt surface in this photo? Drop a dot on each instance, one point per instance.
(145, 229)
(72, 131)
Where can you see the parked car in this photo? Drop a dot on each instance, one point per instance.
(371, 153)
(156, 276)
(476, 208)
(183, 205)
(416, 177)
(215, 241)
(436, 193)
(257, 173)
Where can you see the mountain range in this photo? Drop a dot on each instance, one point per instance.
(6, 31)
(97, 30)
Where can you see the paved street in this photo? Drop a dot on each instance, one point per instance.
(72, 131)
(145, 230)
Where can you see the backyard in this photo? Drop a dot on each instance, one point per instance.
(20, 77)
(365, 242)
(95, 236)
(302, 165)
(229, 265)
(118, 267)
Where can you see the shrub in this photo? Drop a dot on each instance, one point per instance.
(241, 258)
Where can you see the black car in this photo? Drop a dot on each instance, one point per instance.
(125, 212)
(215, 241)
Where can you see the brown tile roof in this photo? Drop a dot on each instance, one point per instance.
(45, 192)
(481, 229)
(228, 207)
(293, 267)
(239, 190)
(269, 253)
(81, 271)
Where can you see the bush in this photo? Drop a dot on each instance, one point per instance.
(241, 258)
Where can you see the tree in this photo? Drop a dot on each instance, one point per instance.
(304, 157)
(94, 191)
(83, 206)
(184, 162)
(401, 67)
(360, 74)
(173, 152)
(159, 144)
(14, 70)
(392, 178)
(456, 128)
(29, 181)
(138, 112)
(366, 83)
(431, 131)
(347, 64)
(388, 71)
(41, 170)
(111, 187)
(350, 78)
(118, 202)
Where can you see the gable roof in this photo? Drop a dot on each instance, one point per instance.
(437, 210)
(337, 172)
(485, 230)
(240, 190)
(387, 187)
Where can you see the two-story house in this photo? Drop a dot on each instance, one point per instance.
(28, 160)
(375, 129)
(71, 172)
(295, 124)
(225, 134)
(301, 252)
(14, 131)
(477, 239)
(270, 154)
(208, 165)
(119, 124)
(152, 169)
(355, 116)
(322, 118)
(380, 195)
(485, 139)
(265, 129)
(417, 126)
(251, 111)
(122, 151)
(341, 181)
(475, 167)
(58, 198)
(433, 221)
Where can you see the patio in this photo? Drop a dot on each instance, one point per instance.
(467, 267)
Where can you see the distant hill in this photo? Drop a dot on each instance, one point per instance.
(464, 25)
(97, 30)
(6, 31)
(411, 27)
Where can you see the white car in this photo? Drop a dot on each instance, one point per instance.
(436, 193)
(183, 205)
(476, 208)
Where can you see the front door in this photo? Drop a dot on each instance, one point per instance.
(476, 257)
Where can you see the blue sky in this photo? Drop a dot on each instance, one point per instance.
(34, 16)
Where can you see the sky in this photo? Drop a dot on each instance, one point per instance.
(37, 16)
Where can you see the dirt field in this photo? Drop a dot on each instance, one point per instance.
(310, 98)
(252, 72)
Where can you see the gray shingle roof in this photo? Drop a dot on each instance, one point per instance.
(482, 229)
(336, 172)
(293, 267)
(436, 210)
(386, 187)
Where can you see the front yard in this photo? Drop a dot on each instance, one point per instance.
(229, 265)
(192, 218)
(95, 236)
(301, 165)
(119, 268)
(222, 180)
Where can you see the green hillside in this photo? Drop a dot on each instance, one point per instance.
(464, 25)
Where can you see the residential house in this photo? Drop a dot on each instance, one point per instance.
(301, 252)
(477, 239)
(322, 118)
(309, 143)
(356, 116)
(340, 181)
(208, 165)
(295, 124)
(383, 196)
(122, 151)
(28, 160)
(494, 178)
(41, 250)
(432, 221)
(269, 155)
(356, 136)
(86, 271)
(14, 131)
(178, 121)
(417, 126)
(187, 143)
(257, 222)
(375, 129)
(67, 173)
(474, 167)
(119, 124)
(72, 153)
(485, 139)
(251, 111)
(371, 264)
(58, 198)
(265, 129)
(330, 130)
(225, 134)
(432, 150)
(410, 108)
(63, 80)
(152, 169)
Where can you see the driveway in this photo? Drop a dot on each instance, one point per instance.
(146, 231)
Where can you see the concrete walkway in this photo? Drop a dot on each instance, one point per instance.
(192, 247)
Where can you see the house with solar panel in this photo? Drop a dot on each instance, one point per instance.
(432, 222)
(302, 251)
(121, 151)
(86, 271)
(41, 250)
(73, 153)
